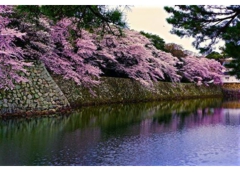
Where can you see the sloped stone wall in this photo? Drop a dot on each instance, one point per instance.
(45, 92)
(113, 90)
(231, 86)
(40, 93)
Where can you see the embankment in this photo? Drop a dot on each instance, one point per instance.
(41, 93)
(50, 93)
(115, 90)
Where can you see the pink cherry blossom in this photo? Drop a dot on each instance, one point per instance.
(11, 56)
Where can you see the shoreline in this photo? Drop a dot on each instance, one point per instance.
(68, 110)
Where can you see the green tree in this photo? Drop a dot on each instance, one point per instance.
(203, 22)
(215, 55)
(157, 41)
(209, 24)
(232, 49)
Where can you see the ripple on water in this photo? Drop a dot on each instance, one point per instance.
(143, 142)
(212, 145)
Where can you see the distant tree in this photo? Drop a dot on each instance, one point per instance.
(215, 55)
(157, 41)
(175, 49)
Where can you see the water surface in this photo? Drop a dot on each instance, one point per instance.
(170, 133)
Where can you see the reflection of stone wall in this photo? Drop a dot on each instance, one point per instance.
(113, 90)
(231, 90)
(234, 104)
(40, 93)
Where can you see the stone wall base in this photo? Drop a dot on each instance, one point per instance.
(41, 93)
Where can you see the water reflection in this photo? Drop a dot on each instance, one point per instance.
(124, 134)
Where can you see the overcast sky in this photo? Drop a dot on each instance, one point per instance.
(152, 19)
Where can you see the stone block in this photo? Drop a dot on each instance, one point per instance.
(29, 96)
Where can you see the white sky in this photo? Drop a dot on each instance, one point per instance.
(152, 19)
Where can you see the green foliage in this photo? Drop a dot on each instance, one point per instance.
(116, 16)
(203, 22)
(215, 55)
(234, 65)
(87, 16)
(31, 10)
(212, 23)
(157, 41)
(232, 37)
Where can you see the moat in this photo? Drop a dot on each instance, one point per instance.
(196, 132)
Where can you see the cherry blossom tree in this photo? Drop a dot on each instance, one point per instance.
(11, 56)
(202, 70)
(83, 57)
(134, 56)
(61, 47)
(71, 53)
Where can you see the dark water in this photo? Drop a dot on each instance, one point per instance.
(175, 133)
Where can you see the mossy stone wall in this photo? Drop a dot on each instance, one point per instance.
(40, 93)
(113, 90)
(51, 92)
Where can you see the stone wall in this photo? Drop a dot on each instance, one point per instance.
(45, 92)
(113, 90)
(40, 93)
(231, 86)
